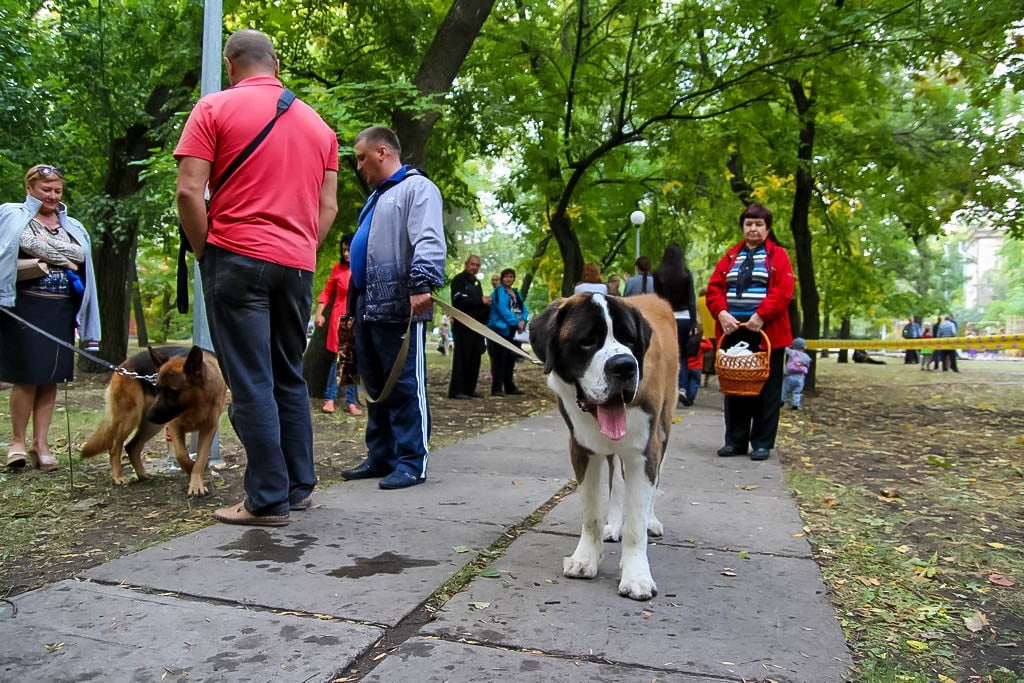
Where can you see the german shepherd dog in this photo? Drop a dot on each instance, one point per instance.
(189, 396)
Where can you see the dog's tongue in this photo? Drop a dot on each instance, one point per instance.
(611, 420)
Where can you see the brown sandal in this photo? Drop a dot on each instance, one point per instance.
(16, 460)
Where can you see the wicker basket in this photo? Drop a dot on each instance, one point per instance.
(743, 375)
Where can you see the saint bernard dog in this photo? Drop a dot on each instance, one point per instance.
(614, 365)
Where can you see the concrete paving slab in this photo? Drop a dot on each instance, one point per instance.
(427, 660)
(79, 631)
(499, 499)
(771, 620)
(364, 555)
(327, 562)
(752, 523)
(536, 447)
(354, 541)
(710, 501)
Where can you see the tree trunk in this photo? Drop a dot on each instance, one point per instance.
(844, 333)
(113, 285)
(316, 361)
(569, 246)
(800, 221)
(538, 254)
(826, 325)
(440, 66)
(141, 331)
(114, 236)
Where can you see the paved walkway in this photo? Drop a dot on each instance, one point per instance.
(739, 596)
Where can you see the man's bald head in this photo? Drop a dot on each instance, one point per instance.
(250, 52)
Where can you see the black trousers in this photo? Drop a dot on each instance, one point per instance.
(503, 364)
(469, 348)
(754, 420)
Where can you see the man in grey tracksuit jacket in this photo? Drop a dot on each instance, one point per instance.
(397, 259)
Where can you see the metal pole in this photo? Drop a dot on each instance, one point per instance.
(638, 241)
(210, 81)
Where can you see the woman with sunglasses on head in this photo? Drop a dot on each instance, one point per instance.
(55, 291)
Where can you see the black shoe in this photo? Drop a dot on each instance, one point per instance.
(497, 393)
(729, 451)
(460, 397)
(795, 408)
(514, 392)
(365, 471)
(400, 480)
(760, 454)
(474, 395)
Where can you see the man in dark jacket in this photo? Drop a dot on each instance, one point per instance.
(467, 296)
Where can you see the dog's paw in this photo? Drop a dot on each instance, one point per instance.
(121, 479)
(579, 569)
(611, 533)
(198, 489)
(638, 588)
(655, 529)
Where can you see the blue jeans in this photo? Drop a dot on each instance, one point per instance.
(397, 428)
(793, 386)
(692, 386)
(331, 391)
(682, 335)
(258, 312)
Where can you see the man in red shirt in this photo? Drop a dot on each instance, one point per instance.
(256, 246)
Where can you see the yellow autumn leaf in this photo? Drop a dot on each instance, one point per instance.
(917, 645)
(997, 546)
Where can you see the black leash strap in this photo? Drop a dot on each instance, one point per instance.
(85, 354)
(283, 102)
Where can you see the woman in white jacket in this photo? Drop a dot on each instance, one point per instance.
(58, 296)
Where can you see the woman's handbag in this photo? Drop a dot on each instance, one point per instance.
(348, 373)
(743, 375)
(32, 268)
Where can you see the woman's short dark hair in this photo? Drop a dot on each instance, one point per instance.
(756, 210)
(508, 271)
(345, 241)
(643, 264)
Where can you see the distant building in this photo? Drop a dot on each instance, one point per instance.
(981, 256)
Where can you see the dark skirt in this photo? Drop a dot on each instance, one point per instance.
(27, 357)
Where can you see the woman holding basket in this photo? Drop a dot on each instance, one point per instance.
(749, 294)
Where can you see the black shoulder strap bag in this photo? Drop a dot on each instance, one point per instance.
(283, 102)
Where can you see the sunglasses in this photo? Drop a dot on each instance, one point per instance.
(50, 171)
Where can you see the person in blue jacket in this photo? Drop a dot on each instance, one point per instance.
(397, 260)
(59, 296)
(508, 316)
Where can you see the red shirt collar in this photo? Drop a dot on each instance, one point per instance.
(259, 80)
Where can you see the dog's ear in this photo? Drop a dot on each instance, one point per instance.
(194, 364)
(157, 356)
(544, 334)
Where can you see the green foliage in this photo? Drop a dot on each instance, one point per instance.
(571, 115)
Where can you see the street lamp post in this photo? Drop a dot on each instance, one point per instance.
(637, 218)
